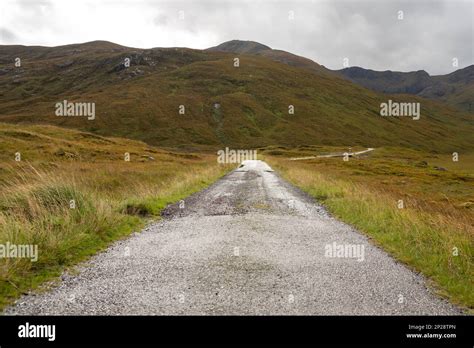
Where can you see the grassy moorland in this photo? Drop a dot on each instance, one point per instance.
(142, 101)
(433, 232)
(112, 197)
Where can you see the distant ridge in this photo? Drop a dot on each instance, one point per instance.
(455, 89)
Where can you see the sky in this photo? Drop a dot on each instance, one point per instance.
(432, 35)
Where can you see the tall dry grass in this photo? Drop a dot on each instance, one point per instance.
(72, 210)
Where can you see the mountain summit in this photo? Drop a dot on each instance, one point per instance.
(255, 48)
(239, 46)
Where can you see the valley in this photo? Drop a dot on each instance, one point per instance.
(132, 136)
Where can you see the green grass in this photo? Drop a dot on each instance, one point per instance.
(112, 197)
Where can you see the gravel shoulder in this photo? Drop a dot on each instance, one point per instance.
(250, 244)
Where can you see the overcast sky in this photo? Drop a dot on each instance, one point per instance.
(369, 33)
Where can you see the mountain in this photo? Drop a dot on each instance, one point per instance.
(255, 48)
(239, 46)
(389, 81)
(242, 107)
(455, 89)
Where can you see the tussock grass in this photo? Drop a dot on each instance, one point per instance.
(111, 198)
(424, 239)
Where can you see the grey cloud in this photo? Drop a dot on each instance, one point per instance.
(366, 31)
(7, 36)
(161, 19)
(34, 6)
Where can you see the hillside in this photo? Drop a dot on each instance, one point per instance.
(224, 105)
(455, 89)
(44, 144)
(255, 48)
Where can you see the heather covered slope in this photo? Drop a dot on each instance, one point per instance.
(143, 101)
(455, 89)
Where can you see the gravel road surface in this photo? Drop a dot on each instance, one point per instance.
(249, 244)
